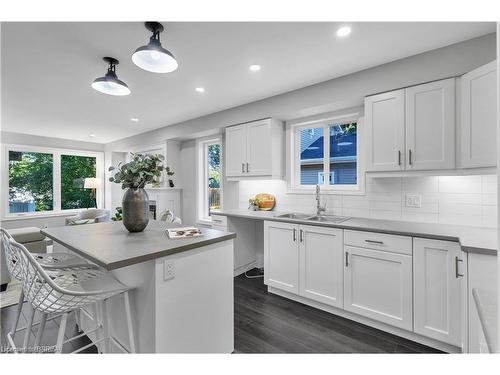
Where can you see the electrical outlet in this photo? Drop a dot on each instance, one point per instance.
(168, 270)
(413, 200)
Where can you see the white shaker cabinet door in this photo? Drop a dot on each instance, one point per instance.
(321, 264)
(478, 122)
(259, 149)
(236, 149)
(385, 126)
(378, 285)
(281, 256)
(438, 269)
(430, 126)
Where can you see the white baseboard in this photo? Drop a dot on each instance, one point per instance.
(244, 268)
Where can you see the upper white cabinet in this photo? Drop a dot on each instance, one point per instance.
(478, 120)
(430, 126)
(438, 271)
(385, 118)
(255, 149)
(412, 128)
(378, 277)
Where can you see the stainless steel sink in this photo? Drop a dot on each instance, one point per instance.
(327, 218)
(295, 216)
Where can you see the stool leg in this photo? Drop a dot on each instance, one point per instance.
(78, 318)
(27, 334)
(130, 325)
(60, 333)
(41, 328)
(99, 333)
(18, 313)
(106, 325)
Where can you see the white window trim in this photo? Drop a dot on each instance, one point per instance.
(56, 174)
(293, 162)
(202, 181)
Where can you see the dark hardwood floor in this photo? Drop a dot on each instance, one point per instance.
(266, 323)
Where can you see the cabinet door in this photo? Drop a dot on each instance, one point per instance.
(430, 126)
(236, 144)
(385, 123)
(321, 264)
(377, 284)
(478, 123)
(438, 289)
(259, 145)
(281, 256)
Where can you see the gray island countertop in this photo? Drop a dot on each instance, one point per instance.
(472, 239)
(111, 246)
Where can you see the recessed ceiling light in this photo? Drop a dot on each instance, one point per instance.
(134, 119)
(254, 67)
(200, 89)
(343, 31)
(91, 135)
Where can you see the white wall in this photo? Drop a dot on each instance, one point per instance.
(188, 166)
(338, 93)
(463, 200)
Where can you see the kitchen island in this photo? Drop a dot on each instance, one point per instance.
(182, 299)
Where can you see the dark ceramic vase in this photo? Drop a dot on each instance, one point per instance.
(135, 206)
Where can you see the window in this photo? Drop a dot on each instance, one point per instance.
(42, 180)
(209, 178)
(325, 152)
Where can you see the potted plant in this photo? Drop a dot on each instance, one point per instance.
(134, 176)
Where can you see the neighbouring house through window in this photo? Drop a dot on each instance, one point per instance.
(209, 178)
(42, 180)
(325, 153)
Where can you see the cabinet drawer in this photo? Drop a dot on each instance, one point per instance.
(379, 241)
(219, 220)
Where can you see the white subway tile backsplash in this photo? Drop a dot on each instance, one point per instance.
(463, 200)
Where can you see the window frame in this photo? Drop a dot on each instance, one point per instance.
(202, 144)
(293, 155)
(56, 179)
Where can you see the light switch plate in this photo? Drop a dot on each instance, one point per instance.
(413, 200)
(168, 270)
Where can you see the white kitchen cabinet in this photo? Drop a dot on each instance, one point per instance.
(482, 275)
(478, 120)
(430, 126)
(281, 256)
(385, 118)
(255, 150)
(321, 264)
(236, 150)
(378, 285)
(438, 270)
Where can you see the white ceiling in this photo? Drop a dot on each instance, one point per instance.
(47, 68)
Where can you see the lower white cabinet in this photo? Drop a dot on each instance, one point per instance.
(304, 260)
(281, 256)
(438, 287)
(320, 264)
(378, 285)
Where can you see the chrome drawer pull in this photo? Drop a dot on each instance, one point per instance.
(294, 234)
(247, 168)
(301, 235)
(242, 167)
(457, 275)
(346, 259)
(375, 242)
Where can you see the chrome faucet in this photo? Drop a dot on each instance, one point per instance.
(319, 209)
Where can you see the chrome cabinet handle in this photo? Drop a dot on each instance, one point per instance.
(399, 157)
(409, 157)
(242, 167)
(457, 274)
(294, 234)
(346, 259)
(375, 242)
(217, 221)
(247, 168)
(301, 238)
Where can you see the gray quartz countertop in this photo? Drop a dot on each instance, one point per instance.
(111, 246)
(472, 239)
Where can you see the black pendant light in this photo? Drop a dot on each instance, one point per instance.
(110, 84)
(153, 57)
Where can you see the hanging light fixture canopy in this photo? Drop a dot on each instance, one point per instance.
(153, 57)
(110, 84)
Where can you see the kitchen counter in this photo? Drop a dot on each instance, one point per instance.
(471, 239)
(111, 246)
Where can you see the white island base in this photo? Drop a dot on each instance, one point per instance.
(182, 303)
